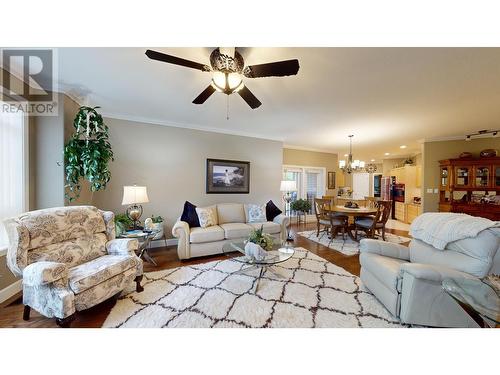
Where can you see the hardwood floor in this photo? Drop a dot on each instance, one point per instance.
(11, 314)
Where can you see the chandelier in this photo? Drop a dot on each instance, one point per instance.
(350, 165)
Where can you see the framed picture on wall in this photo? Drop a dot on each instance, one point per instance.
(331, 180)
(228, 176)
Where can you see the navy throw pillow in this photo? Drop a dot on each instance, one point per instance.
(189, 215)
(272, 211)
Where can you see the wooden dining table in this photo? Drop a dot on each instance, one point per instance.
(352, 212)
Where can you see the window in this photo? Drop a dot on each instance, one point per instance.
(310, 182)
(13, 168)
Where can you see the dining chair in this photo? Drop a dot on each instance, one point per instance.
(370, 202)
(370, 224)
(330, 220)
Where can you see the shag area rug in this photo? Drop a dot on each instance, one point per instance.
(311, 292)
(347, 246)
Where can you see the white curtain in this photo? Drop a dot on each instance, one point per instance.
(12, 168)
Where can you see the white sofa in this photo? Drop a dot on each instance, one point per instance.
(408, 280)
(232, 225)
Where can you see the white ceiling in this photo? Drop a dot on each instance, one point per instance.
(386, 97)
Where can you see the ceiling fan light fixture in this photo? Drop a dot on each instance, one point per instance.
(227, 82)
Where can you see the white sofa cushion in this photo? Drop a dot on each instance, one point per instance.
(269, 227)
(255, 213)
(207, 216)
(385, 269)
(209, 234)
(230, 213)
(236, 230)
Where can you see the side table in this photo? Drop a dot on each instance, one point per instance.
(144, 239)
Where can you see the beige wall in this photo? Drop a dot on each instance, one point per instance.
(49, 171)
(171, 162)
(47, 145)
(435, 151)
(314, 159)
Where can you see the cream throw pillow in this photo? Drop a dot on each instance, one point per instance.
(207, 216)
(255, 213)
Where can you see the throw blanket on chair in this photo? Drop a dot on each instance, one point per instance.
(439, 229)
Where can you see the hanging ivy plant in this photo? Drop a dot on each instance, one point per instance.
(87, 153)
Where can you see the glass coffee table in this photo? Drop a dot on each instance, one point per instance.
(279, 254)
(478, 299)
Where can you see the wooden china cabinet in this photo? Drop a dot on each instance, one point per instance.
(467, 184)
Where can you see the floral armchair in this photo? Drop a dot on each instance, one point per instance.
(69, 260)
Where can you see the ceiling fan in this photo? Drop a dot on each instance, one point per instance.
(228, 67)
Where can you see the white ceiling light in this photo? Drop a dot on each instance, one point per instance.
(386, 154)
(230, 82)
(402, 146)
(372, 160)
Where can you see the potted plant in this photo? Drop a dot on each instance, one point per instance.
(301, 206)
(87, 153)
(122, 223)
(258, 237)
(408, 161)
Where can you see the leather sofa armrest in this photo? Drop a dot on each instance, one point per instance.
(42, 273)
(383, 248)
(122, 246)
(181, 231)
(431, 272)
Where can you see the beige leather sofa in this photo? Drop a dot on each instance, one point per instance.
(232, 226)
(408, 280)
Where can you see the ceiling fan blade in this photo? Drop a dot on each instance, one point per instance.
(274, 69)
(154, 55)
(250, 98)
(200, 99)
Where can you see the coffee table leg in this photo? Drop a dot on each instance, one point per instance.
(258, 279)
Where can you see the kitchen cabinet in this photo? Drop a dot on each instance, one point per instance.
(418, 182)
(407, 175)
(400, 211)
(412, 211)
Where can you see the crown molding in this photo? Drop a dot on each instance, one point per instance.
(301, 148)
(147, 120)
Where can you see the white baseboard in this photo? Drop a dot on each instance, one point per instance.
(161, 243)
(11, 290)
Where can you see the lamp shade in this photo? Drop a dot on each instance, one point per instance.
(288, 185)
(135, 194)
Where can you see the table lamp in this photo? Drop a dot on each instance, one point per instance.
(133, 195)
